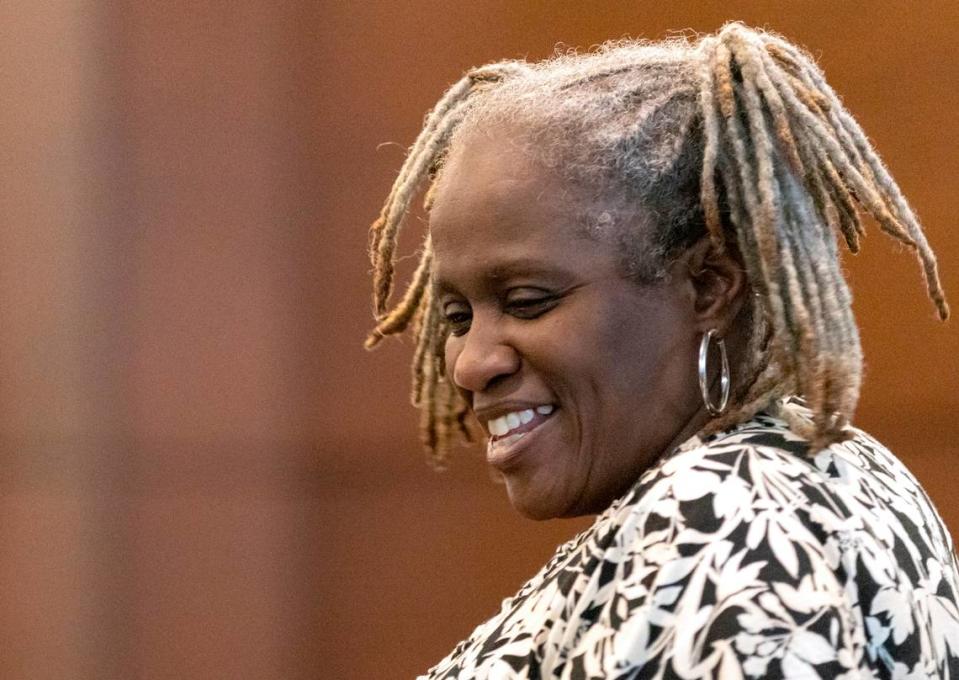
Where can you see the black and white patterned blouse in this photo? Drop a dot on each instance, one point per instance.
(736, 556)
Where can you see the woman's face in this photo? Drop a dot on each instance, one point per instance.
(579, 376)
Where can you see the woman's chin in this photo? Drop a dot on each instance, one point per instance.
(535, 504)
(524, 505)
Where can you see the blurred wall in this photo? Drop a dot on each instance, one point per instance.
(202, 474)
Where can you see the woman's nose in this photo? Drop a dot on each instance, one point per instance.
(483, 359)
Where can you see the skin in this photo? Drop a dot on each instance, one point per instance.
(542, 314)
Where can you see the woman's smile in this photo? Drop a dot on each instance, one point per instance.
(513, 434)
(518, 421)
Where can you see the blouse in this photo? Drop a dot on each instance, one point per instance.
(740, 555)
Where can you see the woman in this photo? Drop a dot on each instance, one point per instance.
(631, 281)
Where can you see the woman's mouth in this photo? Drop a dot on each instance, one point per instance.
(507, 432)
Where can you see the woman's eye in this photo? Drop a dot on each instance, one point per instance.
(530, 307)
(458, 319)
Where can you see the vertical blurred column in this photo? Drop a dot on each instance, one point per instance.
(56, 420)
(214, 382)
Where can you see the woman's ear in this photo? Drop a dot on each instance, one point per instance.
(717, 282)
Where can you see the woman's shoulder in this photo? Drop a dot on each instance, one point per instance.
(852, 512)
(768, 444)
(763, 468)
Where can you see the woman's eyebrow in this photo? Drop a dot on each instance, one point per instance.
(525, 266)
(499, 271)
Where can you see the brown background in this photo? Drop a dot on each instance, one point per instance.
(202, 475)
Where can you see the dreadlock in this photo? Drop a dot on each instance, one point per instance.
(736, 135)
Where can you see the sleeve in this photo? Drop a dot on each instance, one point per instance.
(722, 576)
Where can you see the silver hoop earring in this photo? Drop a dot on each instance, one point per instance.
(723, 377)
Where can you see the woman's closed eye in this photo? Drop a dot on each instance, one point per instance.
(459, 315)
(530, 306)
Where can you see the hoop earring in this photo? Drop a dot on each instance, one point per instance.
(724, 375)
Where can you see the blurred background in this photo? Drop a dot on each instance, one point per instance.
(202, 474)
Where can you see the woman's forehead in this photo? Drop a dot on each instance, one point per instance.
(503, 165)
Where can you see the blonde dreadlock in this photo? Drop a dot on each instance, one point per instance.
(736, 135)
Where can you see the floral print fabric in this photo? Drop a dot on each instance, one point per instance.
(740, 556)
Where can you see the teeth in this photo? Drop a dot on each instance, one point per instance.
(500, 426)
(506, 441)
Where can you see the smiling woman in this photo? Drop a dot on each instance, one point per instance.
(631, 282)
